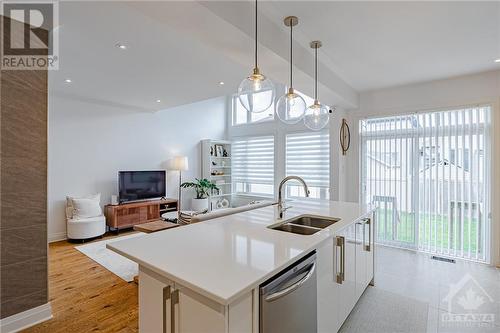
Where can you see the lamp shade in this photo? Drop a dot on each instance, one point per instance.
(180, 163)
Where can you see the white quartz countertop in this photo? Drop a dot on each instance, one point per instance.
(228, 256)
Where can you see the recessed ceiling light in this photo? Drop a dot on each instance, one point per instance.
(158, 101)
(68, 81)
(121, 46)
(497, 60)
(221, 83)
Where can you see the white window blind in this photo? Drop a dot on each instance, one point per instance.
(308, 156)
(429, 174)
(253, 165)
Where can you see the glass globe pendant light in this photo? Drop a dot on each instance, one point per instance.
(256, 92)
(291, 107)
(317, 115)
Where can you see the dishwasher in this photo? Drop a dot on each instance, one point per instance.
(288, 300)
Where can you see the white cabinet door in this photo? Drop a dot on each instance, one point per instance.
(154, 303)
(361, 258)
(345, 256)
(328, 299)
(364, 255)
(195, 313)
(369, 249)
(165, 307)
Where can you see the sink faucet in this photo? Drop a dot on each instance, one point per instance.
(281, 209)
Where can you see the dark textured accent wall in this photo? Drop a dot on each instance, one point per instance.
(23, 190)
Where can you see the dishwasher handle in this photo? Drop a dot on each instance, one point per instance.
(293, 287)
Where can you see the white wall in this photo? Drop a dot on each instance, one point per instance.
(89, 143)
(435, 95)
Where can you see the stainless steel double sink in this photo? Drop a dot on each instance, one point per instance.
(305, 225)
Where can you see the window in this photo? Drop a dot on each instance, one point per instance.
(308, 156)
(429, 174)
(253, 165)
(242, 116)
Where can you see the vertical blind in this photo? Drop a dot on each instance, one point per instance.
(308, 156)
(253, 164)
(429, 174)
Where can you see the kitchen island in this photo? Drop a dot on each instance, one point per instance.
(205, 277)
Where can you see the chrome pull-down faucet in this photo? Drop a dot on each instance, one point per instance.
(281, 209)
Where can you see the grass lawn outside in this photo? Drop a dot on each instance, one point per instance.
(434, 234)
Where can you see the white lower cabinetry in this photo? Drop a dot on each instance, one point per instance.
(345, 268)
(346, 271)
(328, 291)
(166, 307)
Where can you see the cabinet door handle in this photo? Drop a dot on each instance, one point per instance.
(362, 224)
(174, 301)
(367, 247)
(166, 297)
(341, 244)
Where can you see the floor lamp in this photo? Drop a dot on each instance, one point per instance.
(180, 163)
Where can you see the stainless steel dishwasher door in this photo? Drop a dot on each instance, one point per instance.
(288, 302)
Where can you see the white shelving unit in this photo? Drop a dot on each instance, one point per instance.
(216, 166)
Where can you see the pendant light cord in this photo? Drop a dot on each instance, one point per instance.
(316, 74)
(291, 56)
(256, 34)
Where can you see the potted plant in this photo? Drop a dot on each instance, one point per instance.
(203, 188)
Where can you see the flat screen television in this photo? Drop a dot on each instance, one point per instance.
(141, 185)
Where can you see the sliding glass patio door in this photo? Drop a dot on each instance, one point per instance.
(429, 175)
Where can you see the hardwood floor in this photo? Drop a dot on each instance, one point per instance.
(86, 297)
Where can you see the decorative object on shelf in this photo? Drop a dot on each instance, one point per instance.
(214, 163)
(317, 115)
(345, 137)
(220, 173)
(256, 92)
(180, 163)
(291, 107)
(203, 188)
(222, 203)
(211, 151)
(219, 150)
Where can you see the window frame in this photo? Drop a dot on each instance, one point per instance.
(234, 110)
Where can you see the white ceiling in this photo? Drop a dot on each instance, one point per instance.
(374, 44)
(179, 51)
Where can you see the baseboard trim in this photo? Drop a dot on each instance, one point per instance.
(28, 318)
(59, 236)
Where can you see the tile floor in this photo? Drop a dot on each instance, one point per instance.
(461, 297)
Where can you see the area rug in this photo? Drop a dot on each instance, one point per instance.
(381, 311)
(112, 261)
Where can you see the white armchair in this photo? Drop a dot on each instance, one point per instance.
(84, 218)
